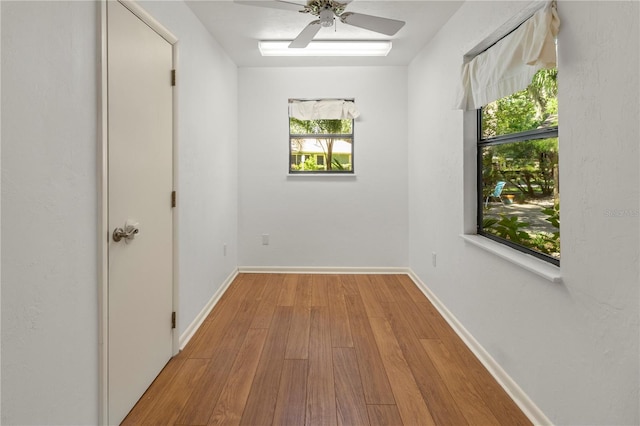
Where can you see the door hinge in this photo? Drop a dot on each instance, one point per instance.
(173, 320)
(173, 77)
(173, 199)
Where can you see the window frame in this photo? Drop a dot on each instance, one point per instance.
(350, 136)
(529, 135)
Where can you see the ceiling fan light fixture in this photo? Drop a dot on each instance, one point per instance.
(326, 18)
(327, 48)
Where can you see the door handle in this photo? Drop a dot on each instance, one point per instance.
(127, 233)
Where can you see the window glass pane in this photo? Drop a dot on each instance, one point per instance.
(521, 194)
(306, 127)
(533, 108)
(321, 146)
(321, 154)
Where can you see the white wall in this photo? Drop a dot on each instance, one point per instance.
(50, 62)
(0, 222)
(572, 347)
(49, 216)
(208, 169)
(323, 221)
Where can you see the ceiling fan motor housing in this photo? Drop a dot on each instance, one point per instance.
(316, 7)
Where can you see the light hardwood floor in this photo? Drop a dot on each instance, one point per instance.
(325, 350)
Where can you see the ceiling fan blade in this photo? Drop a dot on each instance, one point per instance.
(305, 37)
(374, 23)
(275, 4)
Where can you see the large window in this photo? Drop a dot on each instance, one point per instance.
(518, 186)
(320, 146)
(321, 135)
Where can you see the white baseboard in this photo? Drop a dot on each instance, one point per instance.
(528, 407)
(323, 270)
(199, 319)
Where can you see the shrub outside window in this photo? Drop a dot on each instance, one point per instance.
(518, 186)
(320, 146)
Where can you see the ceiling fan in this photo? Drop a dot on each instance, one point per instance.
(327, 11)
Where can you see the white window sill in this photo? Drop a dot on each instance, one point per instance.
(528, 262)
(323, 175)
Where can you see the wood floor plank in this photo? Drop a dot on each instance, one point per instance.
(290, 406)
(496, 398)
(321, 397)
(501, 405)
(228, 294)
(467, 397)
(410, 308)
(233, 396)
(234, 373)
(228, 319)
(439, 324)
(445, 332)
(448, 336)
(206, 393)
(369, 299)
(441, 404)
(235, 294)
(411, 405)
(146, 403)
(168, 407)
(349, 286)
(197, 341)
(372, 373)
(198, 408)
(351, 406)
(268, 302)
(384, 415)
(382, 293)
(214, 333)
(298, 340)
(288, 292)
(264, 390)
(338, 316)
(252, 287)
(319, 290)
(411, 288)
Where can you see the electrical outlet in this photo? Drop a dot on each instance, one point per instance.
(224, 249)
(433, 259)
(265, 239)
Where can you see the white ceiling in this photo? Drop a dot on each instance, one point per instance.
(238, 28)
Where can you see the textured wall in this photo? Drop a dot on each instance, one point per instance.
(49, 213)
(323, 220)
(572, 347)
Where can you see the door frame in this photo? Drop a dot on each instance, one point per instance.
(104, 233)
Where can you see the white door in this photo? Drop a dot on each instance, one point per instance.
(140, 146)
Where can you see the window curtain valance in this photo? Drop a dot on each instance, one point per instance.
(509, 65)
(323, 109)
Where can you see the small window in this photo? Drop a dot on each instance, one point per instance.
(322, 145)
(518, 186)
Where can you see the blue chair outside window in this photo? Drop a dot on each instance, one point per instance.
(497, 191)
